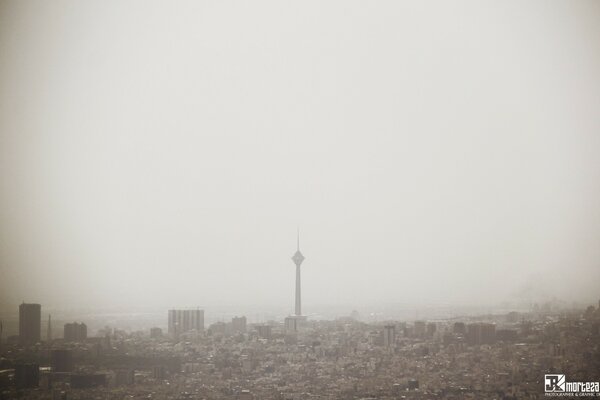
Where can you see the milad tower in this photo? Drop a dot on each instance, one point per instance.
(293, 322)
(297, 259)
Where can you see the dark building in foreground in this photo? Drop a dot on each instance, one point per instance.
(27, 375)
(30, 321)
(124, 377)
(85, 381)
(61, 360)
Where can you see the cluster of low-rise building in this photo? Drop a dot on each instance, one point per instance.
(487, 357)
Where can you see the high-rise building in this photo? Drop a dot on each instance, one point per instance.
(264, 331)
(238, 324)
(431, 329)
(181, 321)
(291, 324)
(420, 328)
(389, 336)
(459, 328)
(75, 332)
(219, 328)
(30, 323)
(488, 333)
(481, 333)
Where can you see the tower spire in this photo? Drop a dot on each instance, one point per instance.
(298, 240)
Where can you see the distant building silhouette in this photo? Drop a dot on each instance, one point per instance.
(238, 324)
(481, 333)
(459, 328)
(291, 324)
(218, 328)
(75, 332)
(420, 328)
(181, 321)
(507, 335)
(264, 331)
(389, 335)
(156, 333)
(30, 321)
(431, 329)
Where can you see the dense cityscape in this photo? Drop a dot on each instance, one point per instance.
(435, 164)
(484, 357)
(496, 356)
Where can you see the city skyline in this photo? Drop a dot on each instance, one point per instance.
(159, 159)
(481, 356)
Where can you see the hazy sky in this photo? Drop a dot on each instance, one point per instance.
(164, 153)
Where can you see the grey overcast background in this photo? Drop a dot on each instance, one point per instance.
(164, 153)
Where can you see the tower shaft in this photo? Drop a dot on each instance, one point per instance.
(298, 299)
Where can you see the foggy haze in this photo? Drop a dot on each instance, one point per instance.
(164, 154)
